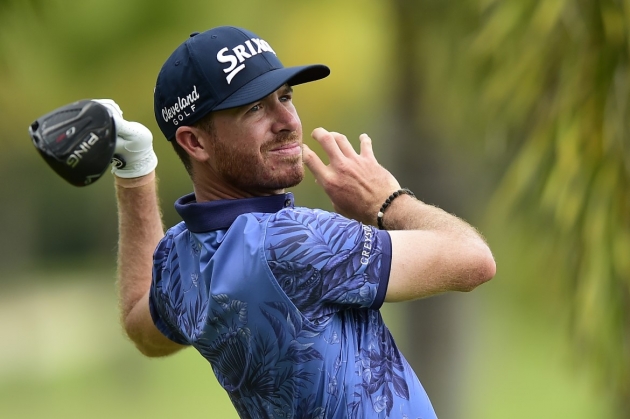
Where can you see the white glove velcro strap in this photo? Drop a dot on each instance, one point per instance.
(138, 168)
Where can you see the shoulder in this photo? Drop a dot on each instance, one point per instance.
(309, 218)
(295, 233)
(174, 232)
(166, 243)
(309, 227)
(178, 248)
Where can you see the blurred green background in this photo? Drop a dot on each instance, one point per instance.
(511, 114)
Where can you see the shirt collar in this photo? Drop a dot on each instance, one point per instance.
(201, 217)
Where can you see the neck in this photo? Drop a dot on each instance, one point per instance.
(212, 191)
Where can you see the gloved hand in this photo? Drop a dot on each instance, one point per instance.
(133, 155)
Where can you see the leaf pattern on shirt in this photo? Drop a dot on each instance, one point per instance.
(260, 371)
(183, 302)
(381, 369)
(318, 263)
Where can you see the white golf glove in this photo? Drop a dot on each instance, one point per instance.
(133, 155)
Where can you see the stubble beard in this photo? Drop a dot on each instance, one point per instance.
(248, 171)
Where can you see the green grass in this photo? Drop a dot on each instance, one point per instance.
(131, 387)
(67, 358)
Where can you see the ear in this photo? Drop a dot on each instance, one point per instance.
(192, 140)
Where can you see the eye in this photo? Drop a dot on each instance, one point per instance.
(286, 98)
(255, 108)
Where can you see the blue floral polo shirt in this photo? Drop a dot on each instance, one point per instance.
(283, 302)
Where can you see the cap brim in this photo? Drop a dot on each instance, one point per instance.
(271, 81)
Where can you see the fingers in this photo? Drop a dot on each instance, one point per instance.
(344, 145)
(123, 128)
(336, 146)
(137, 137)
(111, 106)
(313, 162)
(131, 131)
(328, 143)
(366, 146)
(132, 136)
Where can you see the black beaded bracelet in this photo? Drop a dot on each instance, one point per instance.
(387, 203)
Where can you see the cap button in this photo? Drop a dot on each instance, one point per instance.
(194, 34)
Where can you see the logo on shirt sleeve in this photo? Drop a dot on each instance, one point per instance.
(368, 238)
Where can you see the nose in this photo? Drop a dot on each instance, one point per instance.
(285, 118)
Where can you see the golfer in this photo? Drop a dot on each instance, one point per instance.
(283, 301)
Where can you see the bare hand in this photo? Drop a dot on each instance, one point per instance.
(356, 184)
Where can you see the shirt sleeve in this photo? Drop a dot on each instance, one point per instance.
(325, 262)
(162, 311)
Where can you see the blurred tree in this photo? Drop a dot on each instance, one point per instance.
(421, 163)
(547, 82)
(7, 4)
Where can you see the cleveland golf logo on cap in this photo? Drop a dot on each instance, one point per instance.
(240, 55)
(175, 111)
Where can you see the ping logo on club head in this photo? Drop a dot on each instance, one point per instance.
(85, 146)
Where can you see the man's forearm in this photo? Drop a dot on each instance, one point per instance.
(408, 213)
(433, 251)
(140, 230)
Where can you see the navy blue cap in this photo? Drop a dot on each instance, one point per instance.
(220, 68)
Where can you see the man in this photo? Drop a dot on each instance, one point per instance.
(281, 300)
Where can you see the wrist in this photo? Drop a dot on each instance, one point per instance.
(397, 196)
(135, 182)
(138, 166)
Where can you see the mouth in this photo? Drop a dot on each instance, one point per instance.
(288, 149)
